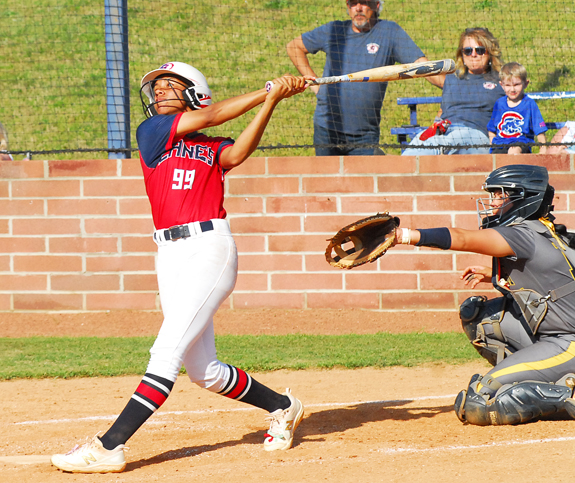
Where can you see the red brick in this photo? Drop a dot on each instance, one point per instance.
(268, 300)
(138, 244)
(48, 301)
(24, 283)
(467, 222)
(129, 263)
(464, 260)
(301, 204)
(4, 227)
(338, 184)
(269, 262)
(418, 301)
(252, 282)
(377, 203)
(470, 184)
(567, 219)
(85, 282)
(447, 203)
(563, 182)
(347, 300)
(553, 162)
(120, 226)
(22, 169)
(560, 201)
(5, 263)
(47, 263)
(4, 189)
(131, 167)
(265, 224)
(82, 206)
(5, 302)
(83, 168)
(124, 301)
(53, 188)
(241, 204)
(22, 245)
(114, 187)
(21, 207)
(317, 263)
(45, 226)
(250, 243)
(471, 163)
(441, 281)
(380, 281)
(300, 243)
(262, 186)
(140, 282)
(135, 206)
(252, 166)
(413, 184)
(306, 281)
(422, 261)
(83, 245)
(378, 164)
(303, 165)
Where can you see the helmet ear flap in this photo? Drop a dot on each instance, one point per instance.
(197, 97)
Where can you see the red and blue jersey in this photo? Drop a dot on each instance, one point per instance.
(519, 124)
(183, 176)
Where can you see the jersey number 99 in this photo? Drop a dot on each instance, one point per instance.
(183, 179)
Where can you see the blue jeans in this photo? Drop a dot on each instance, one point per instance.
(347, 144)
(456, 135)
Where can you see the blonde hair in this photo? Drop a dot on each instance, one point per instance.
(513, 69)
(484, 38)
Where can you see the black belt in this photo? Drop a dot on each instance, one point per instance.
(183, 231)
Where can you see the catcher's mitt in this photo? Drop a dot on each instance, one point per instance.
(369, 238)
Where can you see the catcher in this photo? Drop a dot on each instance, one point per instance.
(527, 334)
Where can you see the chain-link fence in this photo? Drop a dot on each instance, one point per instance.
(56, 99)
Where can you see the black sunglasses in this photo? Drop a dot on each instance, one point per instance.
(467, 51)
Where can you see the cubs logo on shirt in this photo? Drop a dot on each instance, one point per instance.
(511, 124)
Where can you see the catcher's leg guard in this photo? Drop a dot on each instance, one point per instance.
(515, 403)
(481, 319)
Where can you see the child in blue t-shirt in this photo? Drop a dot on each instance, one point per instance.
(516, 117)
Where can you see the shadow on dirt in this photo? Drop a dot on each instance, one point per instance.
(315, 424)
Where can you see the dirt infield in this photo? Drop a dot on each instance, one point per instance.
(393, 424)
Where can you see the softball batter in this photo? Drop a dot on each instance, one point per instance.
(197, 260)
(528, 334)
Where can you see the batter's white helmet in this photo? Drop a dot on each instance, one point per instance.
(197, 94)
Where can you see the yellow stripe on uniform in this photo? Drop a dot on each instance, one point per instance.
(539, 365)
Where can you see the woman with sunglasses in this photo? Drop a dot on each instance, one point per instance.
(468, 99)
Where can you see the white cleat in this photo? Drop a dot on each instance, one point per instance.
(91, 457)
(283, 423)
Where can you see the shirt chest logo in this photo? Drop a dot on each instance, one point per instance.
(372, 48)
(511, 125)
(489, 85)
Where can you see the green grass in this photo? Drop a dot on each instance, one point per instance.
(65, 357)
(53, 70)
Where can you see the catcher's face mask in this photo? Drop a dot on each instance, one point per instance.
(499, 202)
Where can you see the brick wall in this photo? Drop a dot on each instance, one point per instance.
(75, 235)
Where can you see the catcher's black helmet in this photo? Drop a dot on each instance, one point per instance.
(526, 191)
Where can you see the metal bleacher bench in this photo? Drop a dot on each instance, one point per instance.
(410, 130)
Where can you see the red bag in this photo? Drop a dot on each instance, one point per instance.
(439, 127)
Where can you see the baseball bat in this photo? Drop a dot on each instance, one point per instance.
(388, 73)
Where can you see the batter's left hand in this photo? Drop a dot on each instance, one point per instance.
(288, 85)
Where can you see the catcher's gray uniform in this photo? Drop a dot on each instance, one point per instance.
(540, 264)
(528, 353)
